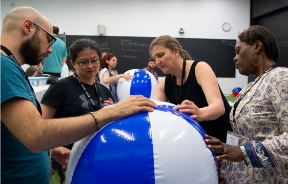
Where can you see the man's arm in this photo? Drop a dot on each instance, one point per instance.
(21, 117)
(64, 60)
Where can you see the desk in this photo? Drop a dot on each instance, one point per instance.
(39, 91)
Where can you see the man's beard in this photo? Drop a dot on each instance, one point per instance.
(29, 50)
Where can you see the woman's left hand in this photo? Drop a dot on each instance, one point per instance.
(225, 151)
(61, 156)
(190, 107)
(107, 102)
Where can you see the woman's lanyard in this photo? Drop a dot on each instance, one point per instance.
(88, 96)
(245, 93)
(179, 95)
(9, 54)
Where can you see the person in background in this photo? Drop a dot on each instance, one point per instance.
(34, 71)
(75, 95)
(259, 117)
(109, 75)
(52, 65)
(104, 53)
(25, 135)
(151, 66)
(191, 85)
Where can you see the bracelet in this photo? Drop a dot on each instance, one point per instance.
(95, 120)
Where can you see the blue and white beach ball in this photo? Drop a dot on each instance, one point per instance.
(142, 83)
(160, 147)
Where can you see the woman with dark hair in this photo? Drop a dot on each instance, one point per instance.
(109, 75)
(259, 117)
(191, 85)
(75, 95)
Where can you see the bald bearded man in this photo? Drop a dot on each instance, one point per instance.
(26, 39)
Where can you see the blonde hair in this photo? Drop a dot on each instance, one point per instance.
(168, 42)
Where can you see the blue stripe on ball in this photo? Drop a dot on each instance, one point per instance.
(130, 162)
(141, 84)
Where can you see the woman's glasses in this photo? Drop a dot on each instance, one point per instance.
(87, 62)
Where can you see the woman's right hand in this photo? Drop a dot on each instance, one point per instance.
(126, 76)
(191, 108)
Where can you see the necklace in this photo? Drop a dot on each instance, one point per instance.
(95, 106)
(241, 96)
(178, 93)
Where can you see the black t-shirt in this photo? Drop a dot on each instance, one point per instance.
(191, 90)
(68, 97)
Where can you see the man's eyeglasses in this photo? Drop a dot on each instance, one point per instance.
(86, 62)
(51, 39)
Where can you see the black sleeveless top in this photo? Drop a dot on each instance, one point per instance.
(192, 91)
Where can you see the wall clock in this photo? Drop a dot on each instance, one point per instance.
(226, 27)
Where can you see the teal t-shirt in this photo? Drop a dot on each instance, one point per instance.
(53, 63)
(18, 163)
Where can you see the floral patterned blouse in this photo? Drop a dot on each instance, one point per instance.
(261, 122)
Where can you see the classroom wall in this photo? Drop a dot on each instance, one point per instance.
(198, 18)
(273, 15)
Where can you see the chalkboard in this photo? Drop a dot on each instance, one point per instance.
(133, 52)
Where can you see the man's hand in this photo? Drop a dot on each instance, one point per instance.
(107, 102)
(124, 108)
